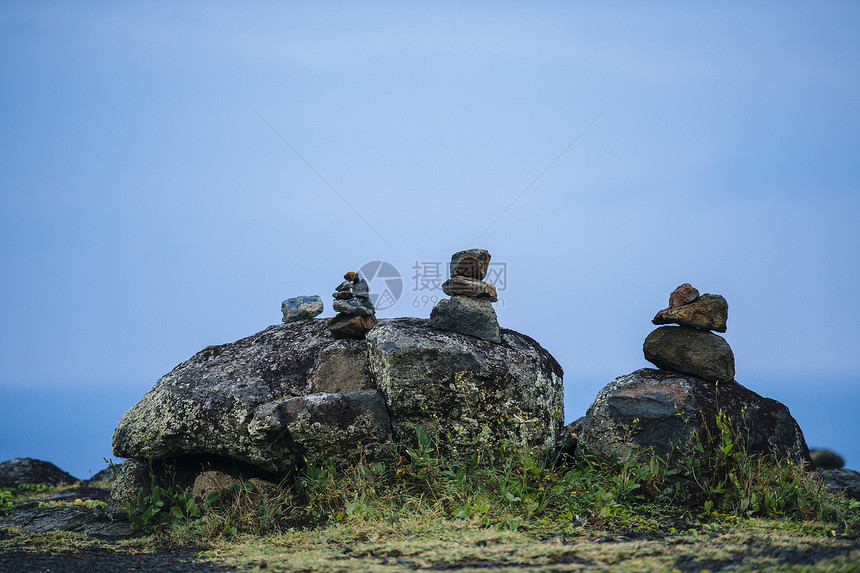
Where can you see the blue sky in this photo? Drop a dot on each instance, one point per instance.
(148, 209)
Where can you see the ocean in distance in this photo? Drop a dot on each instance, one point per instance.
(72, 427)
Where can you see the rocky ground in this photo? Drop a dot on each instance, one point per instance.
(451, 546)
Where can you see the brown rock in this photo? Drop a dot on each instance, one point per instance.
(342, 295)
(351, 276)
(708, 312)
(682, 295)
(351, 326)
(210, 482)
(472, 263)
(474, 288)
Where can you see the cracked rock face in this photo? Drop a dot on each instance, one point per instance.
(661, 411)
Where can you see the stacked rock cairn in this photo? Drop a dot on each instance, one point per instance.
(691, 347)
(356, 314)
(468, 311)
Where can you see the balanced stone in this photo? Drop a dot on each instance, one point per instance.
(471, 263)
(342, 295)
(345, 286)
(361, 289)
(351, 276)
(301, 307)
(355, 306)
(707, 312)
(682, 295)
(351, 326)
(466, 315)
(697, 352)
(465, 286)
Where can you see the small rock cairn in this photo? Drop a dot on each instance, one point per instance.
(468, 311)
(691, 347)
(356, 314)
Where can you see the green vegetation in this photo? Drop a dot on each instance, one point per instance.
(507, 507)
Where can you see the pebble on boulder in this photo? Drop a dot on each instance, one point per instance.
(301, 307)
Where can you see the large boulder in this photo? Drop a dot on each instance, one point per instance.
(207, 404)
(661, 411)
(295, 392)
(465, 388)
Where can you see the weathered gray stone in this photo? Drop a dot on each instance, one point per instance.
(471, 263)
(345, 286)
(361, 289)
(466, 388)
(301, 307)
(20, 471)
(132, 477)
(469, 287)
(661, 411)
(697, 352)
(356, 306)
(466, 315)
(205, 404)
(707, 312)
(841, 480)
(58, 518)
(825, 459)
(342, 367)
